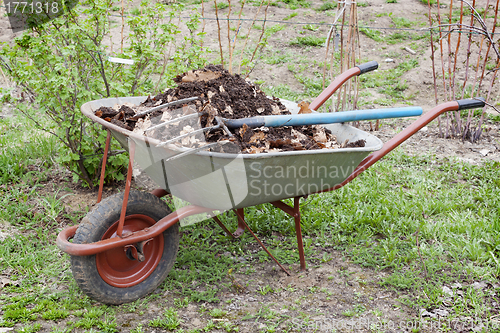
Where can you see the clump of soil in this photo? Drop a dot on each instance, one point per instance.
(219, 94)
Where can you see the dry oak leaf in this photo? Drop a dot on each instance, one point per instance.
(304, 107)
(257, 137)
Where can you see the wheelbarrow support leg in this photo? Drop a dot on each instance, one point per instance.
(241, 222)
(128, 184)
(241, 225)
(295, 212)
(103, 167)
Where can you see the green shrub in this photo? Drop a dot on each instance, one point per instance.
(64, 63)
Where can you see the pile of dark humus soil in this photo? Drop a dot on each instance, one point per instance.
(222, 94)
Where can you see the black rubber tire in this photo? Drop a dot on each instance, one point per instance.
(93, 227)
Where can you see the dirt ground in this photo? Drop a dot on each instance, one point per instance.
(323, 293)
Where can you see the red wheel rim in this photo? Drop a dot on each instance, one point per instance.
(116, 268)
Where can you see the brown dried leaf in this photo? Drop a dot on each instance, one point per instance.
(257, 137)
(319, 134)
(304, 108)
(229, 110)
(212, 112)
(279, 143)
(255, 150)
(192, 76)
(142, 125)
(243, 129)
(298, 146)
(298, 135)
(276, 110)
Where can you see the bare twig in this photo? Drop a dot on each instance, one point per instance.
(218, 31)
(248, 35)
(263, 31)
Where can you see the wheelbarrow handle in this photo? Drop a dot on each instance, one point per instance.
(324, 118)
(340, 80)
(409, 131)
(471, 103)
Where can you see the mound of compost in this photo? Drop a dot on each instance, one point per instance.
(219, 94)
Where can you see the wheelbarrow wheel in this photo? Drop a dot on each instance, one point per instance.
(116, 276)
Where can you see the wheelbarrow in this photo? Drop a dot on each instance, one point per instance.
(125, 247)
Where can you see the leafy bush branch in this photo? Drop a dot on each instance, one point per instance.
(64, 63)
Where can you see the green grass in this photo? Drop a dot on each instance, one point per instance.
(389, 82)
(309, 41)
(451, 206)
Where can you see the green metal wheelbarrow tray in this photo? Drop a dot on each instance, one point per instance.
(126, 245)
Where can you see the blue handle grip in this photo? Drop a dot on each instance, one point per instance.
(340, 117)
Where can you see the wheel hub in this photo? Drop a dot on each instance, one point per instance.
(130, 265)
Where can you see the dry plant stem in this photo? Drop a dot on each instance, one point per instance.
(357, 56)
(489, 44)
(450, 74)
(434, 65)
(218, 31)
(477, 63)
(231, 50)
(457, 113)
(248, 35)
(123, 26)
(342, 65)
(203, 19)
(484, 27)
(468, 57)
(263, 30)
(230, 65)
(479, 127)
(328, 38)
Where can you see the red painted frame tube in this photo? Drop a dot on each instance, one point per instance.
(64, 245)
(103, 167)
(295, 213)
(128, 185)
(397, 140)
(332, 87)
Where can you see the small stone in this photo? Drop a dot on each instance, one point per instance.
(484, 152)
(389, 60)
(407, 49)
(447, 291)
(424, 129)
(479, 285)
(441, 313)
